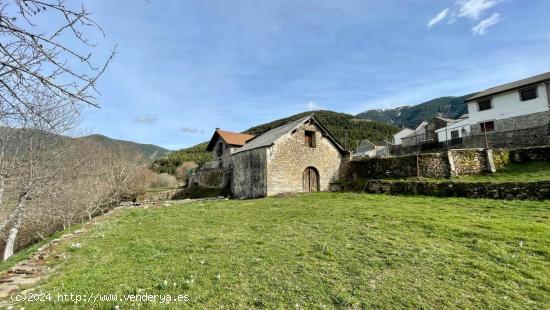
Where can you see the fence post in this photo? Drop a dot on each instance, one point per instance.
(417, 166)
(514, 136)
(446, 138)
(485, 134)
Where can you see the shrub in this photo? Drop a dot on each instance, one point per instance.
(164, 180)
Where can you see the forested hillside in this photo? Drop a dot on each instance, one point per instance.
(345, 127)
(148, 152)
(411, 116)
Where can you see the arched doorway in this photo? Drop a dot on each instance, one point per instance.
(311, 180)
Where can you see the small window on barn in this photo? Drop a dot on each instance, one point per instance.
(219, 149)
(528, 93)
(487, 126)
(310, 138)
(484, 105)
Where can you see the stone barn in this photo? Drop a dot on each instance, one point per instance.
(300, 156)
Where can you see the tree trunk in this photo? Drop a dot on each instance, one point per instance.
(10, 242)
(16, 224)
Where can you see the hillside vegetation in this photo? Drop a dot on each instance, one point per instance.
(411, 116)
(147, 152)
(345, 127)
(142, 153)
(314, 251)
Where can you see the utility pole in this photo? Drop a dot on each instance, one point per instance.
(346, 139)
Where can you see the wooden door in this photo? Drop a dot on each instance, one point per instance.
(311, 180)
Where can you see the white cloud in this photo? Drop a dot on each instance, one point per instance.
(470, 9)
(191, 130)
(481, 27)
(439, 17)
(145, 120)
(313, 106)
(474, 8)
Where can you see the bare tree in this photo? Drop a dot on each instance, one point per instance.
(44, 83)
(33, 58)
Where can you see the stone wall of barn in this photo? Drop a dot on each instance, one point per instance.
(222, 153)
(290, 156)
(249, 174)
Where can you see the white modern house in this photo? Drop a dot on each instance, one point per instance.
(517, 105)
(400, 135)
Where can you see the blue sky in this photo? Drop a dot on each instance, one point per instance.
(186, 67)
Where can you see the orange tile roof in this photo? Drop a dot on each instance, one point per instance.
(234, 138)
(231, 138)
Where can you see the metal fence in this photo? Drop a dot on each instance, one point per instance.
(524, 137)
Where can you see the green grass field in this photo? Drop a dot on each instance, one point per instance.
(517, 172)
(324, 250)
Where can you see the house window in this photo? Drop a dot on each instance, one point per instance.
(487, 126)
(454, 134)
(310, 138)
(528, 93)
(484, 105)
(219, 149)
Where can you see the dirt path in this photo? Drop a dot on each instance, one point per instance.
(27, 273)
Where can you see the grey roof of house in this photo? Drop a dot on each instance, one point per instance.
(403, 129)
(447, 120)
(511, 86)
(421, 125)
(269, 137)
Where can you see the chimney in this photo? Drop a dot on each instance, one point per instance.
(217, 128)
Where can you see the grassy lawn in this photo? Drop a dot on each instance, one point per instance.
(518, 172)
(320, 250)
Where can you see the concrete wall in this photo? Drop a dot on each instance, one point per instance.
(249, 174)
(290, 156)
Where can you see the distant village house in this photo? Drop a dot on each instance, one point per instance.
(513, 106)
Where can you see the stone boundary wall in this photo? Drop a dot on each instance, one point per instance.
(511, 190)
(468, 161)
(425, 165)
(211, 178)
(540, 153)
(430, 165)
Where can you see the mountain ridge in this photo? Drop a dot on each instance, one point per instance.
(149, 152)
(345, 127)
(412, 115)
